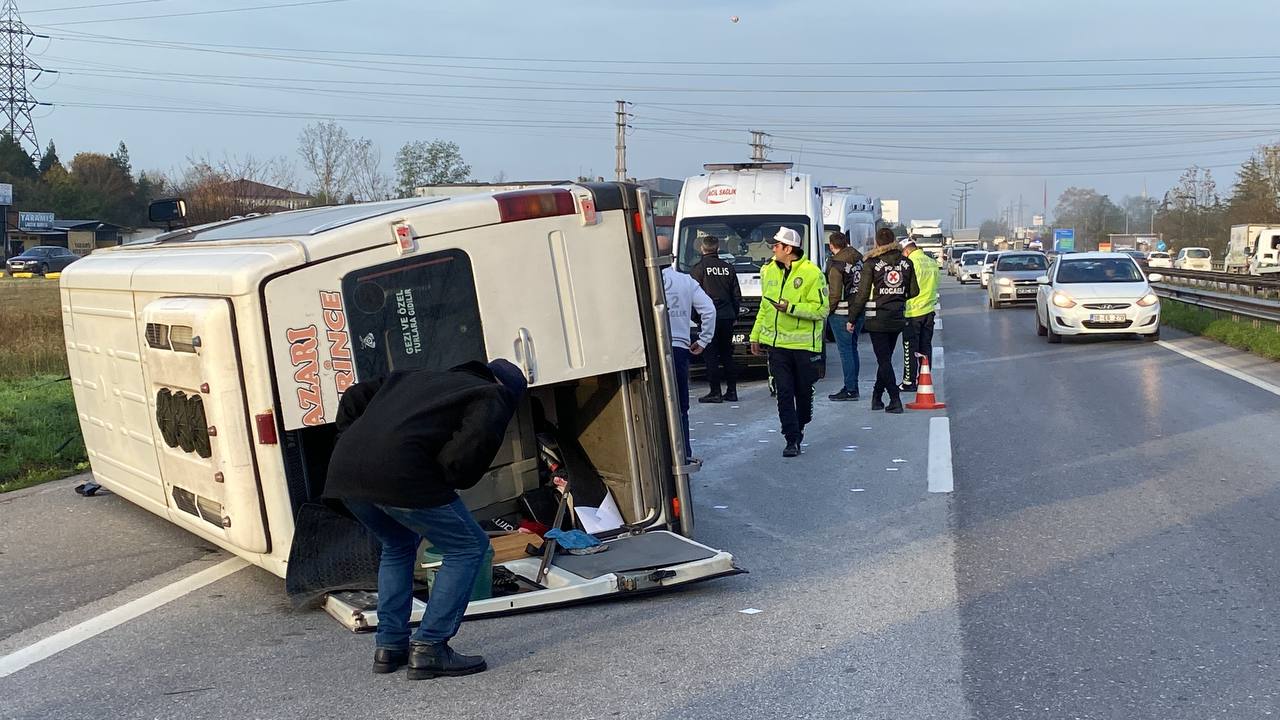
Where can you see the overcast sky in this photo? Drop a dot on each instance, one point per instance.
(899, 99)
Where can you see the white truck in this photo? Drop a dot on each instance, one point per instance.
(928, 236)
(207, 366)
(744, 205)
(855, 215)
(1254, 249)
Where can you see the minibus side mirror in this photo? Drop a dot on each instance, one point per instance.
(168, 211)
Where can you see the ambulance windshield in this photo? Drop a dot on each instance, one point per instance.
(745, 237)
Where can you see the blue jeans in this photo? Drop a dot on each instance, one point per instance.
(847, 344)
(455, 534)
(682, 357)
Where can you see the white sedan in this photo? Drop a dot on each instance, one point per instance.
(1097, 294)
(988, 267)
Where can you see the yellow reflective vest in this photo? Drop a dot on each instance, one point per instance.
(800, 327)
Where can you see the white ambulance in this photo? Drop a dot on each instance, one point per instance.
(208, 363)
(857, 216)
(744, 205)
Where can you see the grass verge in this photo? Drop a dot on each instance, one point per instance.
(1240, 334)
(39, 432)
(31, 329)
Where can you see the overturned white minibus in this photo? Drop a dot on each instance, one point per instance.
(208, 362)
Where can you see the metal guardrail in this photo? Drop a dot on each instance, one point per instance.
(1247, 306)
(1231, 283)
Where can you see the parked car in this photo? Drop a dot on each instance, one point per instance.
(1096, 294)
(1014, 278)
(1159, 259)
(42, 260)
(1193, 258)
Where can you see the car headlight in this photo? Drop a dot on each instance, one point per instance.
(1063, 300)
(1148, 300)
(1004, 281)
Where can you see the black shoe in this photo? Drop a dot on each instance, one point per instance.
(877, 403)
(907, 388)
(792, 449)
(429, 660)
(388, 660)
(895, 406)
(731, 396)
(853, 394)
(842, 396)
(711, 398)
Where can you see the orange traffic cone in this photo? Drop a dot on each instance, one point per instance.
(925, 398)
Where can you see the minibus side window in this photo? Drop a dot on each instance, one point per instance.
(415, 313)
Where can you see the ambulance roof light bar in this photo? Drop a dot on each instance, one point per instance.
(709, 167)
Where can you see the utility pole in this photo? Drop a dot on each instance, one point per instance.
(14, 66)
(964, 201)
(758, 146)
(621, 146)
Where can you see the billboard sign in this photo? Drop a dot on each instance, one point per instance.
(1064, 240)
(6, 194)
(35, 221)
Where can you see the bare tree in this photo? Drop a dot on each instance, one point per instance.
(326, 149)
(233, 185)
(368, 182)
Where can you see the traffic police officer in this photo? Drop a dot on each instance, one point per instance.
(917, 338)
(720, 282)
(793, 310)
(888, 281)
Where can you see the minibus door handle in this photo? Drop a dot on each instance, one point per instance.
(526, 355)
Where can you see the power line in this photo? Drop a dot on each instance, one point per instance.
(95, 6)
(701, 61)
(198, 12)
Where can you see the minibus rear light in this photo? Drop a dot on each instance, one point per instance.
(532, 204)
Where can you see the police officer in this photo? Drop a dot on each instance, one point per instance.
(888, 281)
(793, 308)
(720, 282)
(917, 338)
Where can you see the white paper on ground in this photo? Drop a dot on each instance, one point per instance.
(720, 507)
(898, 460)
(891, 469)
(595, 520)
(857, 490)
(750, 611)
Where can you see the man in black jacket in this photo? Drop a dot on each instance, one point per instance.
(407, 444)
(719, 281)
(888, 280)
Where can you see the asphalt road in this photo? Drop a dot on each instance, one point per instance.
(1116, 520)
(1109, 552)
(856, 590)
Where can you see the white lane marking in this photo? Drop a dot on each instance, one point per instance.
(76, 634)
(941, 478)
(939, 359)
(1273, 389)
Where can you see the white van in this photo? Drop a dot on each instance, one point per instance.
(208, 364)
(744, 205)
(1194, 258)
(857, 216)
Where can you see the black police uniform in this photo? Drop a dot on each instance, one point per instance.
(888, 279)
(720, 281)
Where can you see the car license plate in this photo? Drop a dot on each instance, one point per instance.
(1026, 291)
(739, 337)
(1107, 318)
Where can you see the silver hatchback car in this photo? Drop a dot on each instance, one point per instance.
(1013, 279)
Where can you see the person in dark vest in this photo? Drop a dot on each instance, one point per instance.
(888, 281)
(844, 269)
(720, 282)
(406, 445)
